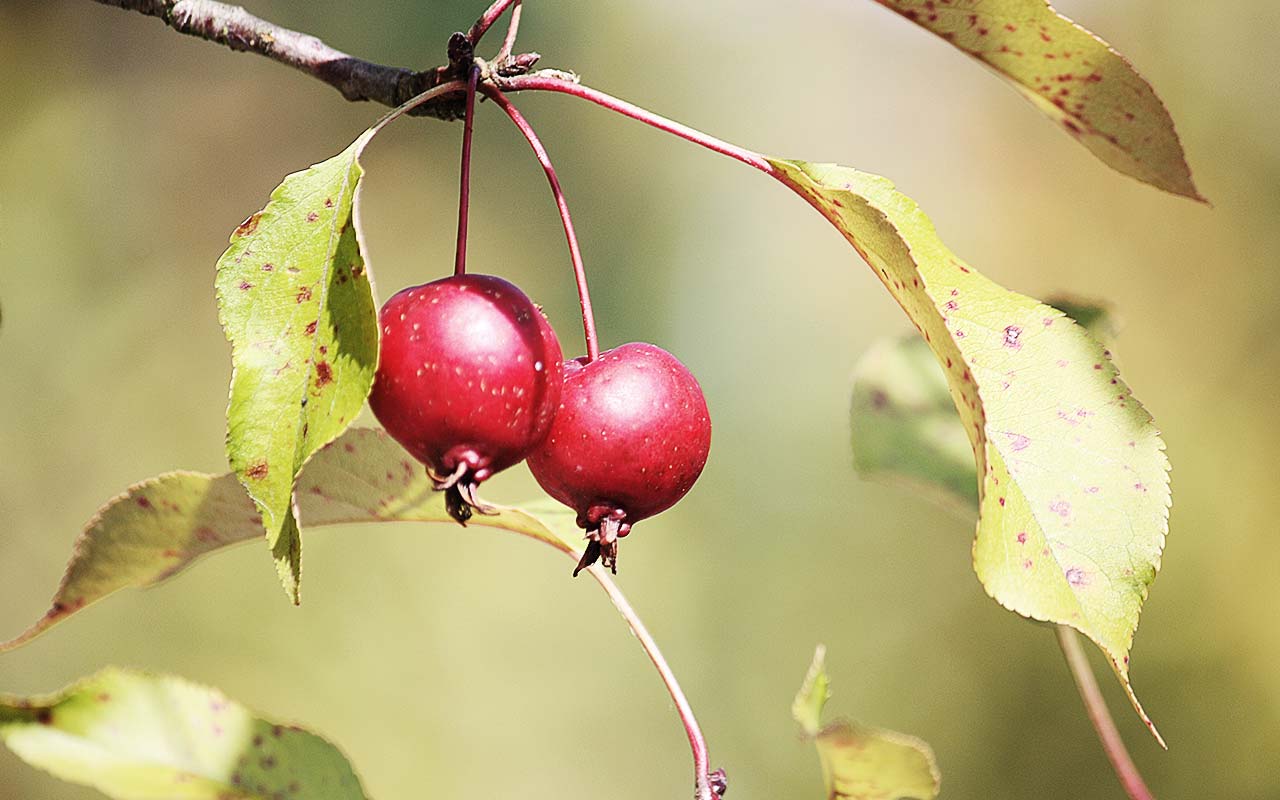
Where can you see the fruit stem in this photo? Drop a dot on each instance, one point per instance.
(513, 26)
(575, 254)
(490, 16)
(547, 83)
(702, 782)
(464, 180)
(1096, 706)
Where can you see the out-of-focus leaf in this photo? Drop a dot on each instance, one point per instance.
(861, 763)
(297, 306)
(904, 424)
(142, 737)
(1074, 492)
(1095, 316)
(160, 526)
(1071, 75)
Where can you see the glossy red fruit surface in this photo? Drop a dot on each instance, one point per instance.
(468, 380)
(630, 438)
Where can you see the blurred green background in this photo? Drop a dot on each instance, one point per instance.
(450, 663)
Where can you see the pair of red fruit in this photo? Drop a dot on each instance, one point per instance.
(470, 381)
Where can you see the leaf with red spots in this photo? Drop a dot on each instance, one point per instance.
(1073, 474)
(903, 422)
(297, 306)
(1071, 75)
(132, 735)
(861, 763)
(161, 526)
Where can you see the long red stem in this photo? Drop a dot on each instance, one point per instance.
(1096, 706)
(551, 84)
(464, 179)
(579, 272)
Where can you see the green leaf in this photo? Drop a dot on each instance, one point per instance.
(1072, 76)
(1095, 316)
(1074, 496)
(297, 306)
(142, 737)
(860, 763)
(904, 425)
(161, 526)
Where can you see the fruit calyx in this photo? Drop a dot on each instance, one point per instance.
(605, 525)
(460, 487)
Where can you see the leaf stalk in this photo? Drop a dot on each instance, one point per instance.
(1100, 716)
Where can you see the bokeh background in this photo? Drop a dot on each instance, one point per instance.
(452, 664)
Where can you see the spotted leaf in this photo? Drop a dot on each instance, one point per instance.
(861, 763)
(132, 735)
(161, 526)
(296, 304)
(1073, 493)
(1071, 75)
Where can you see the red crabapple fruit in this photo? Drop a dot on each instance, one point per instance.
(468, 380)
(630, 438)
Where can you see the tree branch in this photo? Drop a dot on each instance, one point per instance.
(355, 78)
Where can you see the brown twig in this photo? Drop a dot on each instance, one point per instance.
(355, 78)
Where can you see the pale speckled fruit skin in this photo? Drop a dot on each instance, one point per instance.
(632, 433)
(469, 369)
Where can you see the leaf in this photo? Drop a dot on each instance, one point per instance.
(1074, 497)
(904, 425)
(133, 736)
(154, 530)
(1095, 316)
(1071, 75)
(860, 763)
(367, 477)
(296, 304)
(161, 526)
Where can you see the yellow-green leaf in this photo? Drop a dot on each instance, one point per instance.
(160, 526)
(366, 476)
(861, 763)
(1073, 489)
(297, 306)
(135, 736)
(1070, 74)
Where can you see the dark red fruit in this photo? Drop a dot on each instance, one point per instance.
(630, 438)
(468, 380)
